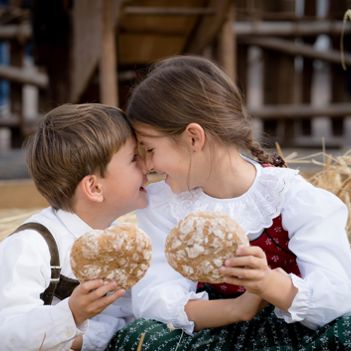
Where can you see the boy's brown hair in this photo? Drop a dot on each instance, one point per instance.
(72, 141)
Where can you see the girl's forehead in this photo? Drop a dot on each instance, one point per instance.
(144, 133)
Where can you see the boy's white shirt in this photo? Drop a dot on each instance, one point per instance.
(25, 323)
(314, 218)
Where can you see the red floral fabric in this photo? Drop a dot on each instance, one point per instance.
(274, 242)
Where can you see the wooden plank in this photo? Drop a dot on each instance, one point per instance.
(19, 32)
(168, 11)
(23, 76)
(16, 59)
(295, 49)
(226, 51)
(108, 67)
(293, 29)
(208, 28)
(86, 37)
(144, 39)
(145, 49)
(153, 23)
(279, 81)
(306, 75)
(339, 78)
(292, 111)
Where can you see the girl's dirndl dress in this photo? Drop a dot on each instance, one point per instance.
(265, 332)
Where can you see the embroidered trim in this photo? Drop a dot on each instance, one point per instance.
(254, 210)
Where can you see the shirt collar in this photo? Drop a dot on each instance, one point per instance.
(73, 223)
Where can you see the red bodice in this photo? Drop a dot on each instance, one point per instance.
(274, 242)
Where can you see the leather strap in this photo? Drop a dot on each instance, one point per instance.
(48, 294)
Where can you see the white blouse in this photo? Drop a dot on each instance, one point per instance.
(25, 323)
(314, 218)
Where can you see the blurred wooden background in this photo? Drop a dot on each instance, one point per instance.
(284, 55)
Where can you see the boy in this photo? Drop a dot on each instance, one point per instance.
(83, 160)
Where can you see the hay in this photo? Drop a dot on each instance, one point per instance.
(11, 219)
(334, 175)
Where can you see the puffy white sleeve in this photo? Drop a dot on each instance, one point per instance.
(25, 323)
(24, 320)
(316, 221)
(162, 293)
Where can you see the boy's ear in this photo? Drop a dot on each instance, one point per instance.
(195, 136)
(92, 188)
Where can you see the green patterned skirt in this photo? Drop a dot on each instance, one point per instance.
(264, 332)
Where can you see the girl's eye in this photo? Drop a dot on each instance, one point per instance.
(149, 150)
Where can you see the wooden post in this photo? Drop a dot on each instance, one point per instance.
(307, 72)
(279, 83)
(339, 77)
(226, 54)
(17, 58)
(208, 27)
(108, 64)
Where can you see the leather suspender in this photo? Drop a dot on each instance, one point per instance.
(48, 294)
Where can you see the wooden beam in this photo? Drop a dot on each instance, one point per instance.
(226, 55)
(168, 11)
(298, 29)
(295, 111)
(20, 32)
(9, 121)
(295, 49)
(156, 32)
(23, 76)
(108, 66)
(86, 45)
(208, 27)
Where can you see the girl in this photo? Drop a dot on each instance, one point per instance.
(190, 120)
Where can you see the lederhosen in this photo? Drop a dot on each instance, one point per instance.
(60, 285)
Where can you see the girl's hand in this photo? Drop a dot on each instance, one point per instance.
(249, 268)
(250, 304)
(90, 298)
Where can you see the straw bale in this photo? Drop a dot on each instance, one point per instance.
(10, 219)
(333, 174)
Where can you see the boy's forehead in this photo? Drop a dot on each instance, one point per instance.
(130, 143)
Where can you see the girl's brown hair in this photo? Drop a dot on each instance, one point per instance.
(73, 141)
(185, 89)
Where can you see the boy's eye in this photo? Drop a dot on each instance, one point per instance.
(135, 158)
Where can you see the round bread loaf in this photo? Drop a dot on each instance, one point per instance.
(121, 253)
(198, 246)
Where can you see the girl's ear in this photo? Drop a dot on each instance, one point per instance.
(92, 188)
(195, 136)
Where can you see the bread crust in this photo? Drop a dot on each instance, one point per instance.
(121, 253)
(198, 246)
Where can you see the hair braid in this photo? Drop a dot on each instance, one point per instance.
(262, 156)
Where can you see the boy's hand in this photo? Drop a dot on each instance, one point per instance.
(249, 268)
(90, 298)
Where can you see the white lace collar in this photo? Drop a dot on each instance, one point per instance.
(253, 210)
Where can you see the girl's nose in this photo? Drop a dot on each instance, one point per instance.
(145, 165)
